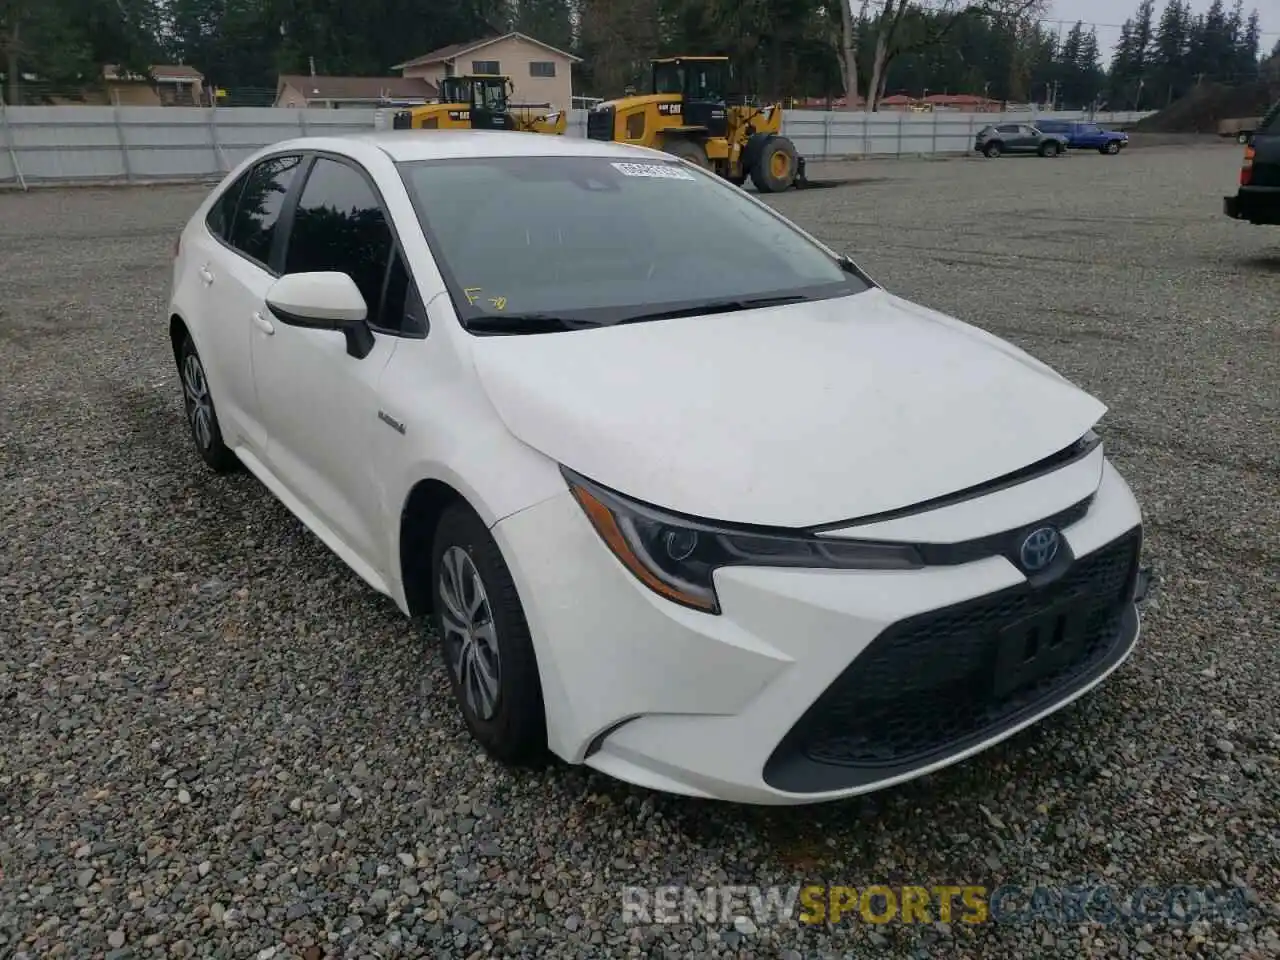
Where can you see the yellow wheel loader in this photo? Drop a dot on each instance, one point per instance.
(480, 102)
(689, 113)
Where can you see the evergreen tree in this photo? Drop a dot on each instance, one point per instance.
(1247, 47)
(1169, 52)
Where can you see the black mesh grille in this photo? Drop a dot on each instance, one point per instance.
(926, 685)
(600, 123)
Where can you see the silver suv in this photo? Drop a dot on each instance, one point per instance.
(996, 139)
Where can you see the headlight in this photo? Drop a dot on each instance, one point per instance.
(675, 556)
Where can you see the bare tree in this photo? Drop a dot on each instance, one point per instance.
(849, 50)
(936, 19)
(11, 16)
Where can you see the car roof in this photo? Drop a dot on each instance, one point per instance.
(410, 145)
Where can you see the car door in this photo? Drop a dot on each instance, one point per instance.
(1009, 137)
(1029, 138)
(318, 403)
(232, 264)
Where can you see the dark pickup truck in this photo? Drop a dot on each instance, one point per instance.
(1257, 200)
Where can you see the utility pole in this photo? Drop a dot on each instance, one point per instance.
(312, 61)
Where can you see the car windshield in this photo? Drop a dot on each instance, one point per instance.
(599, 240)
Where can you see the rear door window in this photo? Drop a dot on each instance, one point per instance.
(223, 211)
(254, 230)
(1271, 122)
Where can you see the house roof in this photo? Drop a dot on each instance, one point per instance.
(957, 98)
(159, 71)
(357, 88)
(455, 50)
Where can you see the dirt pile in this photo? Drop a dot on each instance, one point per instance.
(1200, 110)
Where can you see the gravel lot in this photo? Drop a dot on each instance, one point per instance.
(215, 741)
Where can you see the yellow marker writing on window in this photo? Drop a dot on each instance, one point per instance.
(499, 303)
(472, 293)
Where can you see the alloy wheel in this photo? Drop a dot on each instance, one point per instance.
(470, 635)
(199, 407)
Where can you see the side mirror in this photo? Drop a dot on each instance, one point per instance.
(323, 301)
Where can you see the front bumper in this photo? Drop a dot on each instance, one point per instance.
(812, 685)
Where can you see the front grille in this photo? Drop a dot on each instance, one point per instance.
(600, 123)
(932, 684)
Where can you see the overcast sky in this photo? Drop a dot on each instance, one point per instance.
(1109, 14)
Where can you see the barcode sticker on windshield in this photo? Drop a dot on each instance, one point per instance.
(662, 170)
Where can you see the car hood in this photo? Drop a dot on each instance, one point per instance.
(788, 416)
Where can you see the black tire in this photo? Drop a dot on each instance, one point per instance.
(1051, 149)
(202, 416)
(514, 730)
(1242, 137)
(687, 150)
(1112, 148)
(775, 168)
(992, 150)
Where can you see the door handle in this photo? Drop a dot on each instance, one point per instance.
(206, 276)
(263, 324)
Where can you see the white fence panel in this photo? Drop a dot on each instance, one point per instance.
(51, 144)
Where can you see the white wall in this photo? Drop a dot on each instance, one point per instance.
(52, 144)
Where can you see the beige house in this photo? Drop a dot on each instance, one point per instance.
(539, 73)
(170, 85)
(300, 90)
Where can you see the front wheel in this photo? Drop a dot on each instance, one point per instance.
(1112, 148)
(775, 168)
(485, 642)
(991, 150)
(1050, 149)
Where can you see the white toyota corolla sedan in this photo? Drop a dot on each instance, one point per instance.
(690, 498)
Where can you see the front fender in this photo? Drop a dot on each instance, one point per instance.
(454, 436)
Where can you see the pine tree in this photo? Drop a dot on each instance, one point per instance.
(1126, 67)
(1247, 47)
(1143, 34)
(1169, 52)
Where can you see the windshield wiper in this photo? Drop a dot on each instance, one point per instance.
(499, 323)
(715, 306)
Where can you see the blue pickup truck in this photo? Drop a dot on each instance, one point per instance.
(1083, 135)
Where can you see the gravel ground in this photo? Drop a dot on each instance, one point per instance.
(215, 741)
